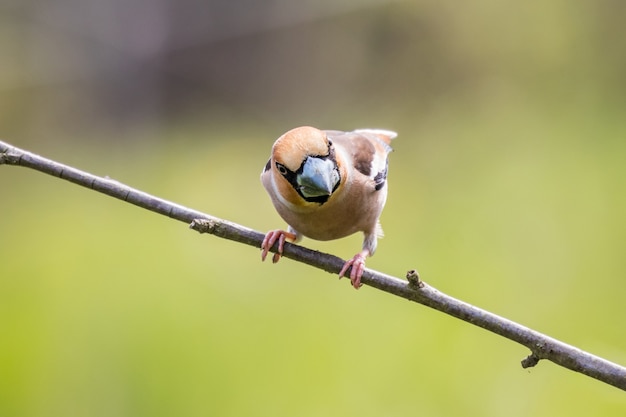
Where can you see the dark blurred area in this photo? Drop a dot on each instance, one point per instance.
(73, 66)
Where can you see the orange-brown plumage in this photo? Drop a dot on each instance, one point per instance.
(327, 185)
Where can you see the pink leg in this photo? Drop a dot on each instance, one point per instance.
(358, 266)
(270, 238)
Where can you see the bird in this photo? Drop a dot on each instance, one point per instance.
(326, 185)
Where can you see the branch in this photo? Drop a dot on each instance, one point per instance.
(540, 345)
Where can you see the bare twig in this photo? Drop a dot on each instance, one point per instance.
(540, 345)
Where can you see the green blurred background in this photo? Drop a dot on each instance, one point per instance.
(507, 190)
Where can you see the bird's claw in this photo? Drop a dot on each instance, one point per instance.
(270, 239)
(358, 266)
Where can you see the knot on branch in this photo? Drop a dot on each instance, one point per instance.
(9, 158)
(414, 279)
(203, 225)
(541, 350)
(530, 361)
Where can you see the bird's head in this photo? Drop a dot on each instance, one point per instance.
(304, 166)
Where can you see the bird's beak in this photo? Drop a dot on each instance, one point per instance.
(318, 178)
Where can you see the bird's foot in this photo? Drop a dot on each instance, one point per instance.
(270, 238)
(358, 266)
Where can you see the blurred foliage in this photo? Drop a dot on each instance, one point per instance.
(507, 190)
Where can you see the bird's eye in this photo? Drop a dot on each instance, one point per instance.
(281, 168)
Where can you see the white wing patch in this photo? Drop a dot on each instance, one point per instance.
(391, 134)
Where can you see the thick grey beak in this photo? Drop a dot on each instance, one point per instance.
(319, 177)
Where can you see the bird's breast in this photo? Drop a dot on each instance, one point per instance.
(341, 216)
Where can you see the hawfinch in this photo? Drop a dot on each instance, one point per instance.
(328, 184)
